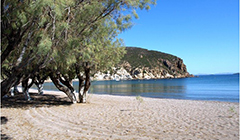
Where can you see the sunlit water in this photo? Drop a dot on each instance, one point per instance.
(208, 87)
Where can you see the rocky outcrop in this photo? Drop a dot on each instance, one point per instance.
(118, 74)
(137, 73)
(144, 64)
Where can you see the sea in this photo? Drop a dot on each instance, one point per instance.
(223, 87)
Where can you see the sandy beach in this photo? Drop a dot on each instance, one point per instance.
(53, 116)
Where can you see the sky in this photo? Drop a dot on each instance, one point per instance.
(204, 33)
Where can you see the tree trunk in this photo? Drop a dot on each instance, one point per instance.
(63, 88)
(7, 51)
(40, 87)
(26, 87)
(8, 83)
(14, 40)
(39, 81)
(67, 82)
(87, 84)
(14, 90)
(80, 82)
(80, 89)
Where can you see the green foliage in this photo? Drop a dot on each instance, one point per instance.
(139, 99)
(44, 45)
(232, 109)
(60, 34)
(148, 58)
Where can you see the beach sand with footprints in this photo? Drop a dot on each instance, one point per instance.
(53, 116)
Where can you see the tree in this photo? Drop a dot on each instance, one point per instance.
(64, 38)
(98, 41)
(28, 35)
(100, 53)
(25, 41)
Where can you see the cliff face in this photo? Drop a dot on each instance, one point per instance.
(141, 63)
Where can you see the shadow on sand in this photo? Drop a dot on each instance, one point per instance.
(45, 100)
(18, 101)
(4, 120)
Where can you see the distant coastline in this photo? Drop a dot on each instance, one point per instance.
(232, 73)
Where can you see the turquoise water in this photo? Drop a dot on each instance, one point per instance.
(205, 87)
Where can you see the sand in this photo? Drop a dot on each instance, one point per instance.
(52, 116)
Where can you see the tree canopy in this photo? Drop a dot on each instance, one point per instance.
(63, 39)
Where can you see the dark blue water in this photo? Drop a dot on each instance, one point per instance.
(208, 87)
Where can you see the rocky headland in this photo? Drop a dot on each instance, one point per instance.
(141, 63)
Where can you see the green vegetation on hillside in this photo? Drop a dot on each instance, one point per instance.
(153, 61)
(139, 57)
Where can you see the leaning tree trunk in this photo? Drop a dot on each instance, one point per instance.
(6, 86)
(8, 83)
(14, 38)
(18, 69)
(63, 88)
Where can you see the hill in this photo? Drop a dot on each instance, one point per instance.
(139, 63)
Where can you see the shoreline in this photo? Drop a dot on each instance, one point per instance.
(121, 117)
(134, 96)
(92, 79)
(61, 94)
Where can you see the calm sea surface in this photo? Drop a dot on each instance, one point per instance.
(205, 87)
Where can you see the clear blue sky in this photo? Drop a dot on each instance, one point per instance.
(204, 33)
